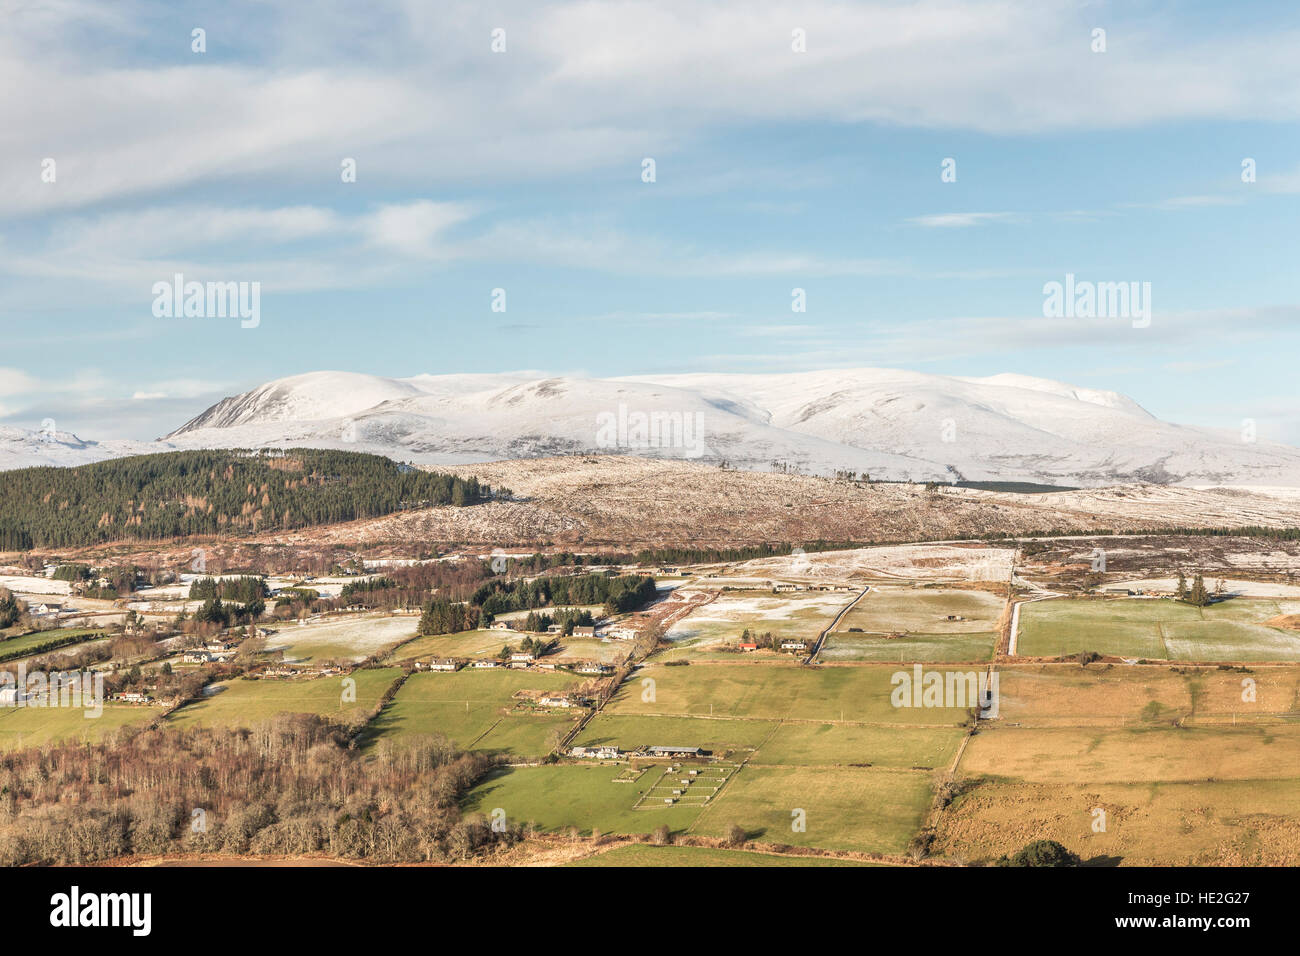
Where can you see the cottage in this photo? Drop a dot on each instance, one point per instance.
(592, 667)
(555, 700)
(501, 626)
(482, 664)
(748, 646)
(196, 657)
(584, 631)
(523, 657)
(555, 629)
(604, 752)
(793, 646)
(445, 664)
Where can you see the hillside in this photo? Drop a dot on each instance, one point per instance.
(159, 497)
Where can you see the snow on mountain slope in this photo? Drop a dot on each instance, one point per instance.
(890, 423)
(22, 448)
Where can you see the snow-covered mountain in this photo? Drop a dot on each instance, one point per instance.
(891, 424)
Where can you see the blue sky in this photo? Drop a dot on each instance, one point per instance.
(521, 170)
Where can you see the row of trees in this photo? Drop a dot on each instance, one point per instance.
(616, 592)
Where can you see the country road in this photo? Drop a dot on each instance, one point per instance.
(817, 647)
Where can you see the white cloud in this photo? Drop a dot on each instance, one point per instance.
(959, 220)
(418, 100)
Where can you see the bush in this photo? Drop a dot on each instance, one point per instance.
(1042, 853)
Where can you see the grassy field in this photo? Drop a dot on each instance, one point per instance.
(773, 692)
(855, 745)
(1115, 695)
(1224, 823)
(1190, 765)
(11, 649)
(246, 702)
(1156, 629)
(480, 643)
(844, 646)
(874, 811)
(1135, 754)
(647, 854)
(559, 797)
(35, 726)
(472, 708)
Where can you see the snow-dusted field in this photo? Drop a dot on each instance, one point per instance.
(33, 585)
(349, 638)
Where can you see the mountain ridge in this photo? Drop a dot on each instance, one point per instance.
(889, 423)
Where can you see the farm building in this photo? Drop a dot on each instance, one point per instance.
(748, 646)
(501, 626)
(618, 632)
(592, 667)
(676, 752)
(480, 664)
(793, 646)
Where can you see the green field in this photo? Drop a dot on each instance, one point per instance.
(11, 649)
(773, 692)
(471, 707)
(480, 643)
(856, 745)
(647, 854)
(1156, 629)
(246, 702)
(35, 726)
(558, 797)
(874, 811)
(845, 646)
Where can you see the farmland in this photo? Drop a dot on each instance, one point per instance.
(351, 638)
(34, 726)
(917, 624)
(246, 702)
(1186, 766)
(474, 709)
(800, 616)
(1158, 629)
